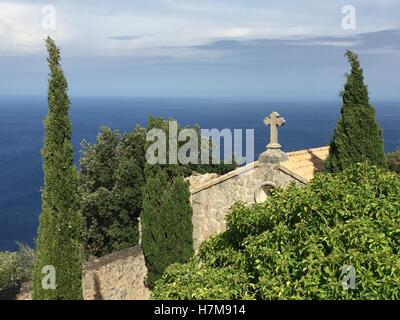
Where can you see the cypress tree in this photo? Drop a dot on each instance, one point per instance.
(58, 242)
(357, 136)
(167, 229)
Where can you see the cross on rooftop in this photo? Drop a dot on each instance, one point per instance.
(274, 120)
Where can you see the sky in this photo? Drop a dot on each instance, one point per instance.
(285, 49)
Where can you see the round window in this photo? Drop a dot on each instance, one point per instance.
(263, 191)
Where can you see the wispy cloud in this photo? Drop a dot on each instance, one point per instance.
(128, 37)
(372, 42)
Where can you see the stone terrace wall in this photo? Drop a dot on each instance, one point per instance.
(118, 276)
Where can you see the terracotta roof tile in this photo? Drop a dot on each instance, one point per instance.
(306, 163)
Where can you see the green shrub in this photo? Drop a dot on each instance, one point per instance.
(8, 270)
(394, 161)
(294, 245)
(25, 261)
(197, 281)
(16, 267)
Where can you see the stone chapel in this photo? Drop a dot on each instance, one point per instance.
(212, 195)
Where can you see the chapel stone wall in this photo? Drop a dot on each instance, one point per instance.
(211, 204)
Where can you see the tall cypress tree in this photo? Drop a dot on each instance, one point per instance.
(58, 242)
(357, 137)
(167, 229)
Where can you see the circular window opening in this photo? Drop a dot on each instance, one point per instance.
(263, 191)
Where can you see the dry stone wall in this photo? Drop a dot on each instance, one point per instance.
(118, 276)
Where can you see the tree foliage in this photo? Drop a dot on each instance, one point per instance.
(59, 236)
(111, 182)
(357, 136)
(224, 165)
(294, 245)
(167, 215)
(110, 188)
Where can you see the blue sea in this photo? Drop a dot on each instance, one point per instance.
(308, 124)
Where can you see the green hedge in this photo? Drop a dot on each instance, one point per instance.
(16, 267)
(294, 245)
(8, 270)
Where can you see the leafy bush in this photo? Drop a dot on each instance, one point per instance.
(16, 267)
(8, 269)
(394, 161)
(216, 283)
(25, 261)
(294, 245)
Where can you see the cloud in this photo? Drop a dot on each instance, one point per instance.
(21, 30)
(128, 37)
(378, 41)
(18, 31)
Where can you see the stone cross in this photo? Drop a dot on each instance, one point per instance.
(274, 120)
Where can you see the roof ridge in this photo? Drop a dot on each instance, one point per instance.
(224, 177)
